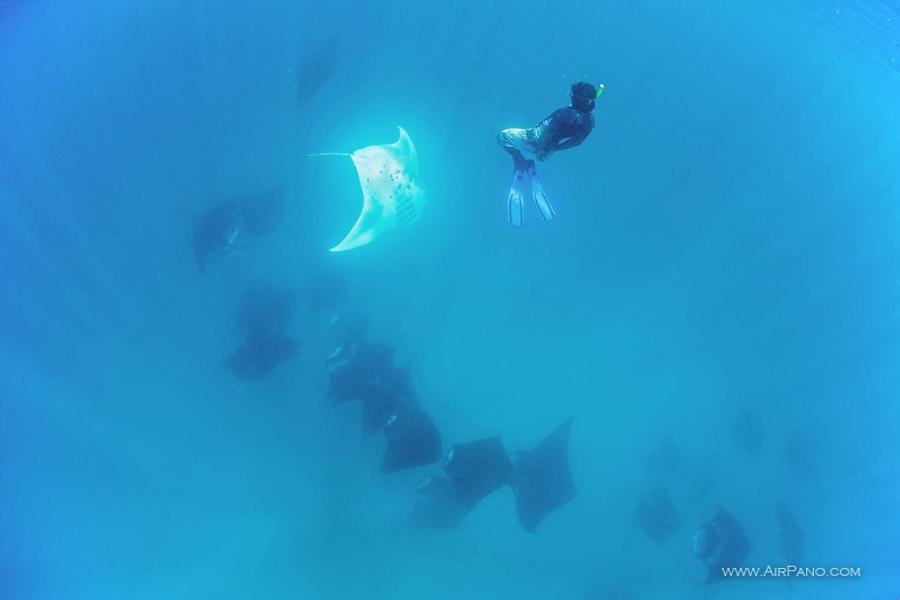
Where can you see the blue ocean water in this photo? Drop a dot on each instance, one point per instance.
(717, 304)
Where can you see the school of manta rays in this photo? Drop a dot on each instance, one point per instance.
(363, 371)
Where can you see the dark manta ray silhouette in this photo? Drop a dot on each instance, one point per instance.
(259, 354)
(412, 439)
(656, 515)
(216, 232)
(228, 223)
(472, 472)
(266, 308)
(384, 396)
(720, 542)
(364, 372)
(355, 368)
(540, 479)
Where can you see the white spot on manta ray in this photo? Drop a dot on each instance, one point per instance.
(391, 197)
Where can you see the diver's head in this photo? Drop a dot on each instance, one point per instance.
(583, 95)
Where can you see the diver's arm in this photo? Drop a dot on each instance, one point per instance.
(566, 143)
(569, 143)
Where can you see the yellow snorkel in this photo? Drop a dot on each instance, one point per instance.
(600, 89)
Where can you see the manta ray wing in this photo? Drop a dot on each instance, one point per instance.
(541, 479)
(388, 175)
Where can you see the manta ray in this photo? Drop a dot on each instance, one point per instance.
(539, 477)
(226, 225)
(656, 514)
(720, 542)
(259, 354)
(392, 198)
(266, 308)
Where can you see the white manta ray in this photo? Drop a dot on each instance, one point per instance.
(392, 198)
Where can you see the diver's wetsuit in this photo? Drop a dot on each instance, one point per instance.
(565, 128)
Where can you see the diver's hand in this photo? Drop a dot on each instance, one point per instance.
(543, 155)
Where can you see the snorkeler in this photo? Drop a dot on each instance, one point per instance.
(565, 128)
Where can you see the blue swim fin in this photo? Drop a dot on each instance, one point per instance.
(515, 202)
(540, 197)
